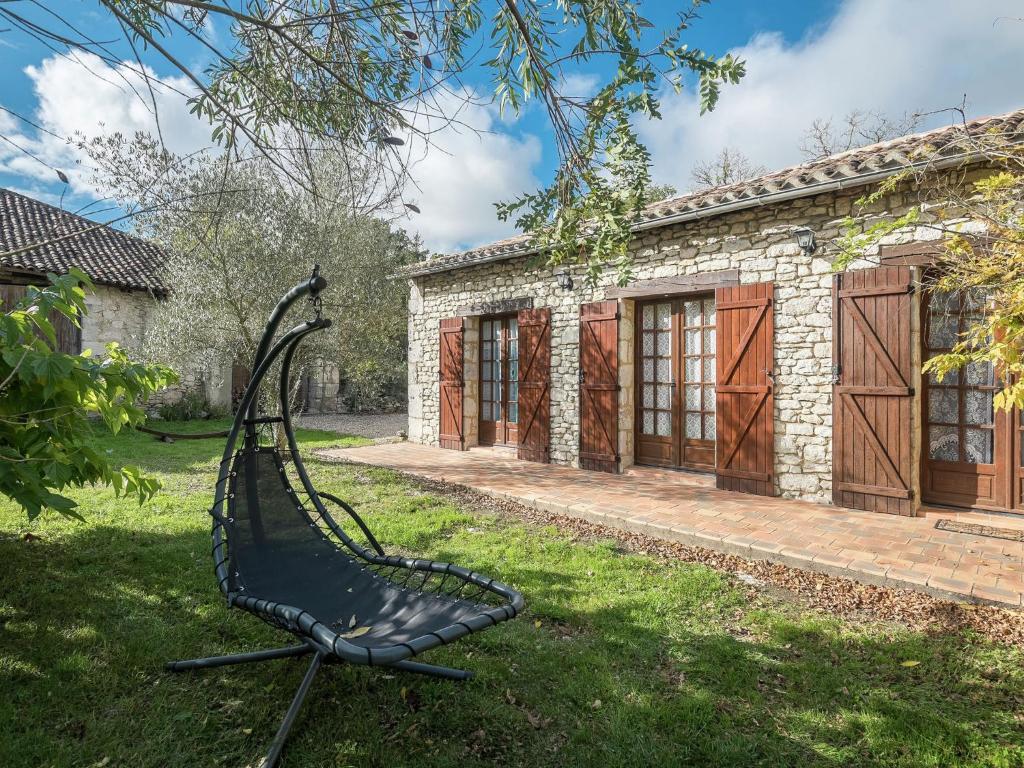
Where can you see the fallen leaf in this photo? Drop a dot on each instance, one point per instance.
(910, 663)
(596, 704)
(537, 623)
(357, 632)
(352, 621)
(247, 731)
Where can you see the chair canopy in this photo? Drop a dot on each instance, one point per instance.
(281, 555)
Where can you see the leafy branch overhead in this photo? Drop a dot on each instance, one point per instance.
(370, 72)
(47, 401)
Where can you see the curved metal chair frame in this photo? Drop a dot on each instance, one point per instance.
(446, 602)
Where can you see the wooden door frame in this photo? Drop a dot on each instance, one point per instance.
(1007, 471)
(506, 429)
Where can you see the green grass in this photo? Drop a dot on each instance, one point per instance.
(620, 659)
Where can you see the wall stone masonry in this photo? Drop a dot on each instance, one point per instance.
(759, 242)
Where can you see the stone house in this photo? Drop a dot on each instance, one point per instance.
(125, 269)
(735, 350)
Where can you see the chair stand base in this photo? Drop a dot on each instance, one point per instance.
(289, 718)
(432, 670)
(238, 658)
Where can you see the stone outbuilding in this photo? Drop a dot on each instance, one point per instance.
(735, 350)
(39, 238)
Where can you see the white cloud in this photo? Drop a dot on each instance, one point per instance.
(464, 171)
(877, 55)
(85, 97)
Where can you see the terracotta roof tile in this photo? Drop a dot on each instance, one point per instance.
(107, 255)
(854, 166)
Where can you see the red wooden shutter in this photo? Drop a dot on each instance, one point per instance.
(599, 386)
(451, 434)
(872, 396)
(535, 384)
(745, 421)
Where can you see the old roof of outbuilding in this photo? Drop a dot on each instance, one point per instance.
(847, 169)
(105, 254)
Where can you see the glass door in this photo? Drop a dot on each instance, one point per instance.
(675, 419)
(499, 380)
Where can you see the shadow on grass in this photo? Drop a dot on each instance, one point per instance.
(629, 677)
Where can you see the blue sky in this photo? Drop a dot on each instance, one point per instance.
(807, 59)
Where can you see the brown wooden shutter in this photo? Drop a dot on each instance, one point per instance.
(535, 384)
(599, 386)
(745, 421)
(451, 433)
(69, 335)
(872, 396)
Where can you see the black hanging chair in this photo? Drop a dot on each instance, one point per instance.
(279, 553)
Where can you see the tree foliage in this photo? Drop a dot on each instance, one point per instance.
(727, 167)
(975, 212)
(240, 234)
(47, 398)
(367, 73)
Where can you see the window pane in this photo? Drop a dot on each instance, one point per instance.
(692, 313)
(692, 342)
(664, 344)
(648, 344)
(942, 329)
(513, 328)
(648, 321)
(950, 379)
(979, 374)
(943, 406)
(978, 448)
(664, 314)
(692, 369)
(709, 311)
(648, 395)
(487, 412)
(665, 397)
(664, 423)
(709, 369)
(693, 426)
(513, 390)
(692, 398)
(977, 407)
(648, 422)
(513, 369)
(513, 413)
(664, 371)
(943, 443)
(709, 426)
(648, 370)
(709, 398)
(709, 341)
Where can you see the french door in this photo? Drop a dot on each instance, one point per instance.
(675, 387)
(499, 380)
(972, 453)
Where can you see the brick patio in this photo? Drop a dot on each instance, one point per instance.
(686, 507)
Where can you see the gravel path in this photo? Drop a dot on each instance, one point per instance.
(372, 425)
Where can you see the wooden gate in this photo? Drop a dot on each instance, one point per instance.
(599, 386)
(872, 394)
(450, 366)
(69, 336)
(535, 384)
(745, 421)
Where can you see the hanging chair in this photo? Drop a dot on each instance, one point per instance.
(280, 554)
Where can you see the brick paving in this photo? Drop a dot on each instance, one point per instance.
(686, 507)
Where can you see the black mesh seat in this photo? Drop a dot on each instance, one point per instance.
(281, 555)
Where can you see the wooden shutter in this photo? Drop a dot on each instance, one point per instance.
(69, 335)
(872, 396)
(745, 421)
(451, 434)
(599, 386)
(535, 384)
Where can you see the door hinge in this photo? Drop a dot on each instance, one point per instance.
(837, 373)
(581, 376)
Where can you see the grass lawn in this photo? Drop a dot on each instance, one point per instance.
(619, 660)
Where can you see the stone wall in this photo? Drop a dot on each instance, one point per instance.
(759, 242)
(124, 316)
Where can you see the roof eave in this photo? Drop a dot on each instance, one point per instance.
(770, 198)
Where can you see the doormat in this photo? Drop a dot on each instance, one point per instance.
(1010, 534)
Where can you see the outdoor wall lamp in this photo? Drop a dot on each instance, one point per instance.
(805, 239)
(564, 280)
